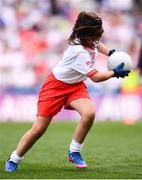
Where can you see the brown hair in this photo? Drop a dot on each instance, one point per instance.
(87, 26)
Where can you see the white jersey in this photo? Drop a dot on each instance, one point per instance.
(76, 65)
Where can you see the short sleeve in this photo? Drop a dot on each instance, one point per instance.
(84, 65)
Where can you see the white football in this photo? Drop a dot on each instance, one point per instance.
(119, 57)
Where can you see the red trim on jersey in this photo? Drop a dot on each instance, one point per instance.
(91, 73)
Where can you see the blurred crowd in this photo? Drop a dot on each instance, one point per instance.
(34, 34)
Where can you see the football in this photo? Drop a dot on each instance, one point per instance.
(119, 57)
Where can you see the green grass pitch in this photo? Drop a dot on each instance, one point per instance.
(112, 151)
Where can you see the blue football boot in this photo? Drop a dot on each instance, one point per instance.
(10, 166)
(75, 157)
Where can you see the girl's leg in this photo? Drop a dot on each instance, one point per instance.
(27, 141)
(86, 109)
(31, 136)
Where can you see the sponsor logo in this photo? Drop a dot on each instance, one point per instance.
(90, 64)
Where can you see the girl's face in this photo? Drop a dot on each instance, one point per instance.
(93, 43)
(96, 43)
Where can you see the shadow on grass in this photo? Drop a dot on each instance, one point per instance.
(47, 171)
(64, 171)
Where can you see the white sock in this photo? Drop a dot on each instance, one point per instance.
(15, 157)
(75, 146)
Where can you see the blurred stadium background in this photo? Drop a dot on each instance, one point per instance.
(33, 36)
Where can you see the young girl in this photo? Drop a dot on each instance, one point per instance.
(65, 87)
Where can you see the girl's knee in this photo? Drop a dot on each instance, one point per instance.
(89, 116)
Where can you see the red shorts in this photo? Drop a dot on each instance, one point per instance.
(55, 94)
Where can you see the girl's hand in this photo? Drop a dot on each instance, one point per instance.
(119, 72)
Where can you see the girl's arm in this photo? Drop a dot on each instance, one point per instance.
(117, 72)
(102, 48)
(102, 76)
